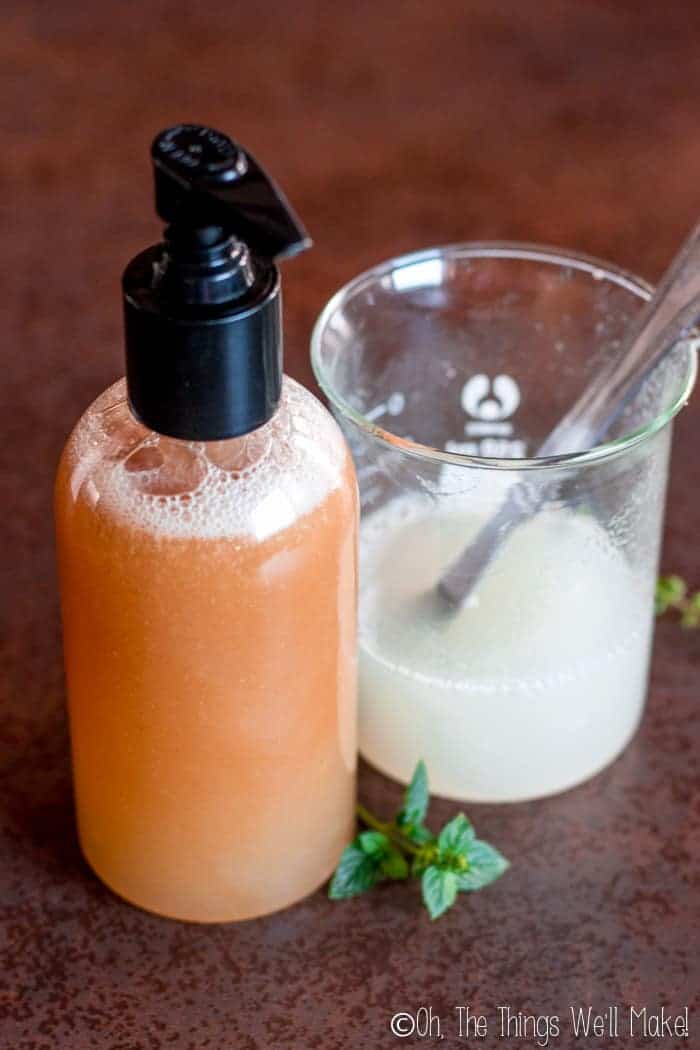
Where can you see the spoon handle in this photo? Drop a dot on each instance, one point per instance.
(668, 316)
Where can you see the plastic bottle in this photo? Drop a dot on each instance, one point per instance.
(206, 516)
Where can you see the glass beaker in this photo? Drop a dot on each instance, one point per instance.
(446, 369)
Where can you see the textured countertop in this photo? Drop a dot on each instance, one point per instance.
(392, 126)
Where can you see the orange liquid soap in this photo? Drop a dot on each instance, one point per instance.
(208, 600)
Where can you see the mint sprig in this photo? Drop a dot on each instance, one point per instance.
(451, 862)
(673, 595)
(454, 861)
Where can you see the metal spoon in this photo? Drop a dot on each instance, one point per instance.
(670, 315)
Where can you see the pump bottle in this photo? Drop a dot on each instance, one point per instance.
(206, 518)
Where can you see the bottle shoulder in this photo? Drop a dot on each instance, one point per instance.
(254, 485)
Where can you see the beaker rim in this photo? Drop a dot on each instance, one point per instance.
(533, 252)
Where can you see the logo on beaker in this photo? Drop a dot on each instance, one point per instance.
(490, 403)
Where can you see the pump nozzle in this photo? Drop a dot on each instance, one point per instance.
(202, 309)
(204, 179)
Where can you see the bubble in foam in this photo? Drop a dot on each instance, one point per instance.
(213, 489)
(241, 455)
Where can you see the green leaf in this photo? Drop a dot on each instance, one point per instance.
(418, 834)
(356, 873)
(394, 865)
(486, 865)
(456, 837)
(416, 798)
(439, 889)
(373, 843)
(691, 613)
(452, 861)
(669, 591)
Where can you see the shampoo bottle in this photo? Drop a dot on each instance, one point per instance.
(206, 517)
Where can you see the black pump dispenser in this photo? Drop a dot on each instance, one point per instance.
(202, 310)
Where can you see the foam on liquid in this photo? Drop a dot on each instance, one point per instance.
(532, 687)
(253, 486)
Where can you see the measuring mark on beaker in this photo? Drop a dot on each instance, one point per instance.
(393, 406)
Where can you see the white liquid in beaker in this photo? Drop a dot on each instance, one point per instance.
(533, 687)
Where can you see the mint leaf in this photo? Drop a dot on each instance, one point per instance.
(356, 873)
(672, 595)
(485, 865)
(456, 837)
(439, 889)
(691, 612)
(394, 865)
(391, 862)
(373, 843)
(416, 798)
(409, 819)
(417, 833)
(669, 591)
(453, 861)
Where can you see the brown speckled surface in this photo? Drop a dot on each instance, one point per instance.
(392, 126)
